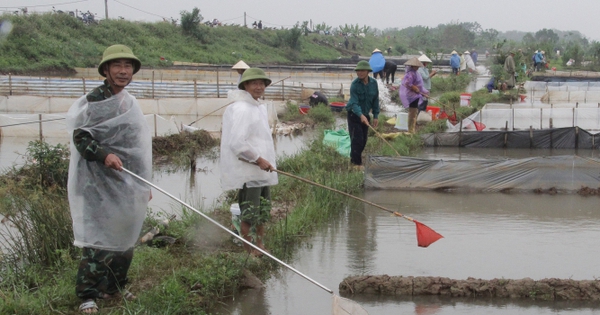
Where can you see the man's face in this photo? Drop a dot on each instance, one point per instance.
(256, 88)
(362, 74)
(121, 71)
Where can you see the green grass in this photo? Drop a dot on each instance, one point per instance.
(40, 43)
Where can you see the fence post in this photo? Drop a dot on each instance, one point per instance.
(84, 89)
(218, 88)
(195, 88)
(40, 117)
(10, 84)
(152, 84)
(283, 90)
(155, 131)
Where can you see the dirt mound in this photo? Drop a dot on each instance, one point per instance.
(545, 289)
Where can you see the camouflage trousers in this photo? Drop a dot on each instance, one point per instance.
(102, 272)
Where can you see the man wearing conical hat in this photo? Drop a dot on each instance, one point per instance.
(364, 99)
(248, 156)
(108, 207)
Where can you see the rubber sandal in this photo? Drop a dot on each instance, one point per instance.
(128, 295)
(88, 307)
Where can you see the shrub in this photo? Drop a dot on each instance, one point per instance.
(322, 115)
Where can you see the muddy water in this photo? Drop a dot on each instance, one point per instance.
(485, 236)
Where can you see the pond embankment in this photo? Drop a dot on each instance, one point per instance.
(545, 289)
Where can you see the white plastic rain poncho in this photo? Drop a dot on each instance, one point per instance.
(245, 135)
(108, 207)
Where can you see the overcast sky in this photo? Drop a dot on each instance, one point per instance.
(503, 15)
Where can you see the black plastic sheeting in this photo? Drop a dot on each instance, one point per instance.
(559, 138)
(555, 174)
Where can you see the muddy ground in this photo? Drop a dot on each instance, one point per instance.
(545, 289)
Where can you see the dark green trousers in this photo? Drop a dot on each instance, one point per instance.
(102, 272)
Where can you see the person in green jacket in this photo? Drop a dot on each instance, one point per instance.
(364, 99)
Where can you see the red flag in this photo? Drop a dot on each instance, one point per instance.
(479, 126)
(425, 235)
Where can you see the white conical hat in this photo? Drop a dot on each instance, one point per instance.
(424, 58)
(240, 65)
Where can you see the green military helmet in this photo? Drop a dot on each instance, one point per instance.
(119, 52)
(253, 74)
(363, 65)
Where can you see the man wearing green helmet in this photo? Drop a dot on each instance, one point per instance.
(364, 98)
(246, 137)
(108, 207)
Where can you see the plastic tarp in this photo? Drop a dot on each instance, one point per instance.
(560, 138)
(524, 117)
(339, 139)
(563, 173)
(377, 62)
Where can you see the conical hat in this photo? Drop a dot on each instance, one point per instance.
(413, 62)
(376, 50)
(240, 65)
(453, 52)
(424, 58)
(306, 93)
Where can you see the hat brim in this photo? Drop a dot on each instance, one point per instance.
(267, 82)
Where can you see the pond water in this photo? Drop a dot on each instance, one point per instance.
(511, 236)
(200, 189)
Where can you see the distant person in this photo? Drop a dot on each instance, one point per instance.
(463, 63)
(487, 53)
(240, 67)
(108, 207)
(426, 77)
(248, 157)
(346, 42)
(470, 65)
(454, 62)
(412, 92)
(390, 70)
(315, 98)
(538, 59)
(474, 56)
(364, 99)
(510, 68)
(389, 51)
(377, 62)
(260, 25)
